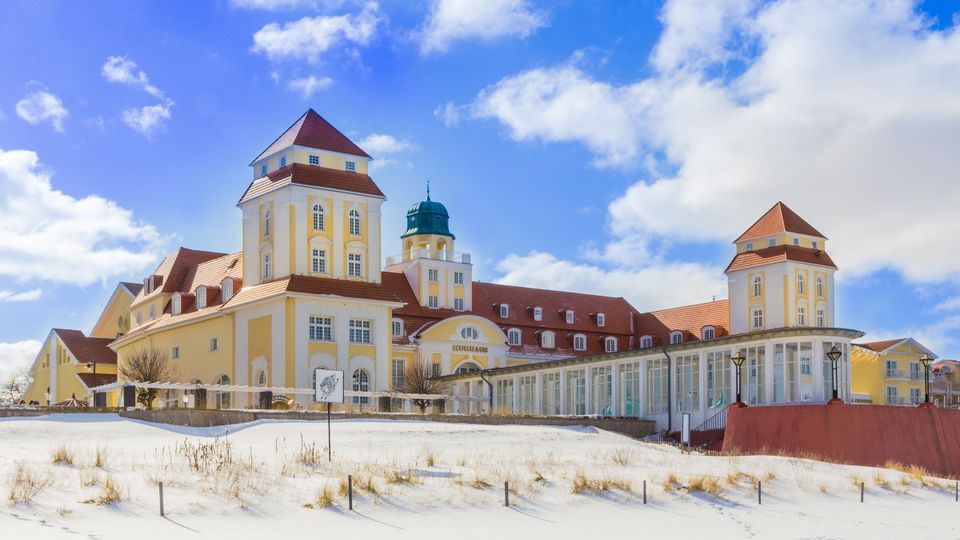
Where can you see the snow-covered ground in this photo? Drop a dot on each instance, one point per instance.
(431, 480)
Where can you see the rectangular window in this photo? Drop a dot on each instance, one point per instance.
(796, 241)
(610, 345)
(505, 396)
(321, 328)
(214, 344)
(813, 244)
(360, 331)
(397, 328)
(458, 278)
(749, 246)
(757, 318)
(504, 311)
(601, 319)
(433, 275)
(891, 368)
(538, 313)
(283, 161)
(892, 395)
(458, 304)
(629, 389)
(657, 386)
(915, 396)
(528, 394)
(786, 373)
(435, 369)
(433, 302)
(267, 270)
(772, 242)
(914, 371)
(350, 166)
(263, 170)
(399, 368)
(175, 353)
(576, 391)
(688, 382)
(719, 379)
(754, 379)
(319, 261)
(550, 394)
(354, 265)
(569, 316)
(602, 390)
(314, 159)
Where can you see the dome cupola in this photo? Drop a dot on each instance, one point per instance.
(427, 217)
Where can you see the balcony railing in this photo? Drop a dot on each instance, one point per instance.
(903, 401)
(904, 374)
(452, 256)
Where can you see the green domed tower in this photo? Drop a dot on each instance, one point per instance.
(428, 231)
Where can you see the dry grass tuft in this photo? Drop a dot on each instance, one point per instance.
(584, 484)
(100, 458)
(63, 511)
(539, 478)
(25, 484)
(622, 456)
(769, 476)
(62, 455)
(705, 484)
(89, 478)
(109, 493)
(881, 481)
(823, 488)
(324, 498)
(431, 459)
(670, 482)
(735, 477)
(400, 477)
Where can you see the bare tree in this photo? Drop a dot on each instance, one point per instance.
(14, 387)
(416, 380)
(147, 365)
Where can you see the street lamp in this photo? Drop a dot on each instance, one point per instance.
(925, 360)
(737, 360)
(834, 356)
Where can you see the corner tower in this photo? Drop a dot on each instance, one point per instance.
(439, 275)
(781, 275)
(311, 208)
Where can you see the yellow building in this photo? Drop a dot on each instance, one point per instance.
(888, 372)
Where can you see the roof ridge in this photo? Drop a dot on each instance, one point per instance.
(717, 301)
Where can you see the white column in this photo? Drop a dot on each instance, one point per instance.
(816, 362)
(538, 391)
(703, 386)
(301, 251)
(768, 372)
(563, 392)
(588, 376)
(615, 394)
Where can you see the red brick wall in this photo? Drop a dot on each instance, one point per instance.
(869, 435)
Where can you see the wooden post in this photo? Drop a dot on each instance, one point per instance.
(506, 493)
(350, 491)
(759, 492)
(861, 491)
(329, 447)
(161, 499)
(644, 492)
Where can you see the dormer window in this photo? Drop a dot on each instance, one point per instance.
(676, 337)
(610, 344)
(314, 159)
(263, 170)
(601, 319)
(749, 246)
(708, 332)
(283, 161)
(350, 166)
(397, 328)
(504, 311)
(813, 244)
(579, 342)
(796, 241)
(175, 305)
(226, 288)
(538, 313)
(513, 337)
(201, 297)
(569, 316)
(772, 242)
(646, 342)
(547, 340)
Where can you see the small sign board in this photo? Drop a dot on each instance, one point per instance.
(685, 429)
(329, 386)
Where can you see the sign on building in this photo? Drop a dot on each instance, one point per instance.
(329, 386)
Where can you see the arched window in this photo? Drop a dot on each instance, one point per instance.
(708, 332)
(676, 337)
(646, 342)
(801, 316)
(266, 223)
(223, 398)
(317, 217)
(819, 285)
(226, 288)
(361, 383)
(548, 340)
(579, 342)
(538, 313)
(174, 305)
(800, 284)
(513, 337)
(610, 344)
(469, 332)
(354, 222)
(569, 316)
(757, 286)
(201, 294)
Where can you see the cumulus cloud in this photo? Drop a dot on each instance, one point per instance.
(310, 37)
(25, 296)
(454, 20)
(42, 106)
(384, 148)
(845, 111)
(46, 234)
(310, 85)
(17, 356)
(144, 120)
(119, 69)
(449, 113)
(649, 288)
(148, 119)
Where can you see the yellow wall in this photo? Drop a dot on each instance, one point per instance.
(869, 372)
(109, 324)
(259, 343)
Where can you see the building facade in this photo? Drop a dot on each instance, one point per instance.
(889, 372)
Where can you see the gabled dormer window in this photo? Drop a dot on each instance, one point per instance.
(569, 316)
(513, 337)
(610, 344)
(601, 319)
(201, 297)
(314, 159)
(538, 313)
(504, 311)
(397, 328)
(708, 332)
(175, 304)
(676, 337)
(547, 340)
(579, 342)
(226, 289)
(646, 342)
(350, 166)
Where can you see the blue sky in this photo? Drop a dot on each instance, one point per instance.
(606, 147)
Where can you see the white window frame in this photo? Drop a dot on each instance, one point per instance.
(538, 313)
(796, 241)
(601, 319)
(263, 169)
(433, 301)
(313, 159)
(708, 332)
(267, 266)
(676, 337)
(821, 317)
(610, 345)
(801, 315)
(646, 342)
(283, 161)
(319, 217)
(354, 222)
(772, 242)
(350, 166)
(504, 311)
(361, 331)
(469, 332)
(266, 222)
(548, 340)
(397, 328)
(569, 316)
(201, 296)
(458, 278)
(214, 344)
(756, 314)
(175, 352)
(514, 337)
(749, 246)
(433, 275)
(176, 305)
(820, 286)
(226, 289)
(318, 261)
(757, 286)
(320, 328)
(801, 284)
(579, 342)
(458, 304)
(355, 265)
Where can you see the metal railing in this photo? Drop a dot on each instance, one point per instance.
(711, 430)
(903, 401)
(904, 374)
(452, 256)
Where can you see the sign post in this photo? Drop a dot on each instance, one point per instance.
(685, 430)
(328, 389)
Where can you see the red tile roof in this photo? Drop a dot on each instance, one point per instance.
(880, 346)
(311, 175)
(341, 287)
(780, 253)
(87, 349)
(90, 380)
(174, 268)
(313, 131)
(134, 288)
(779, 219)
(688, 319)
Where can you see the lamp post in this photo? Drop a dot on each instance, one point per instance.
(834, 356)
(925, 360)
(737, 360)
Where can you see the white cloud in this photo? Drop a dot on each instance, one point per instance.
(46, 234)
(310, 37)
(145, 120)
(453, 20)
(449, 112)
(950, 304)
(846, 111)
(42, 106)
(119, 69)
(383, 148)
(938, 336)
(25, 296)
(649, 288)
(16, 357)
(308, 86)
(148, 119)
